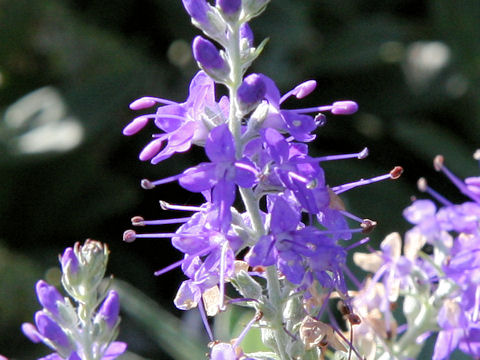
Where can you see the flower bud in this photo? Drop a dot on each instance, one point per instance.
(246, 34)
(110, 309)
(51, 330)
(48, 296)
(197, 9)
(252, 90)
(344, 107)
(69, 261)
(206, 54)
(229, 7)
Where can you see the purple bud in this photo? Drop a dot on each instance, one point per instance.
(197, 9)
(136, 125)
(51, 330)
(344, 107)
(207, 54)
(48, 296)
(110, 309)
(252, 89)
(229, 7)
(31, 332)
(246, 33)
(69, 261)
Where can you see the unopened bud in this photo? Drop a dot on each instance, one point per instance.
(252, 90)
(206, 54)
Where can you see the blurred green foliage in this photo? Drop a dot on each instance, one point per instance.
(69, 69)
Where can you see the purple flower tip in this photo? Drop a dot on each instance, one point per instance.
(197, 9)
(344, 107)
(48, 296)
(142, 103)
(110, 309)
(206, 54)
(252, 89)
(229, 7)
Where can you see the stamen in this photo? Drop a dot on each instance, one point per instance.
(140, 221)
(368, 225)
(360, 155)
(357, 244)
(180, 262)
(351, 216)
(137, 124)
(320, 120)
(167, 206)
(129, 236)
(201, 308)
(423, 187)
(394, 174)
(350, 274)
(337, 108)
(147, 184)
(439, 166)
(300, 91)
(147, 101)
(223, 256)
(245, 330)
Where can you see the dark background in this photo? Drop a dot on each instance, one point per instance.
(69, 69)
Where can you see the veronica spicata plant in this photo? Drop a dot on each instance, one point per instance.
(438, 277)
(284, 248)
(87, 328)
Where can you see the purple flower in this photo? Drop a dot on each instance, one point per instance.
(222, 174)
(298, 250)
(183, 123)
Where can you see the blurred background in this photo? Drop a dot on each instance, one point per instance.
(69, 69)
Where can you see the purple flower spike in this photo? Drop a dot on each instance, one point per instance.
(197, 9)
(252, 89)
(344, 107)
(206, 54)
(48, 296)
(51, 330)
(110, 309)
(229, 7)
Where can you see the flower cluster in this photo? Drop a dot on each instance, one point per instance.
(85, 330)
(440, 283)
(293, 230)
